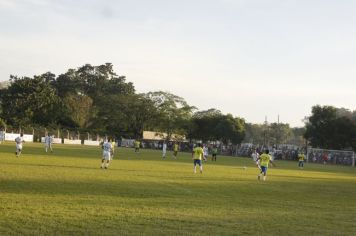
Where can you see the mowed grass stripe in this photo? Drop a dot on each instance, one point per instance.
(67, 193)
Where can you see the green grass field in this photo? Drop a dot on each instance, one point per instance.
(66, 193)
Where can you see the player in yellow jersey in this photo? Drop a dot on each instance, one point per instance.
(113, 144)
(175, 150)
(301, 158)
(197, 156)
(265, 159)
(137, 146)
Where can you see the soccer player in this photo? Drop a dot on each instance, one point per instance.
(255, 157)
(325, 158)
(206, 152)
(175, 150)
(113, 143)
(19, 140)
(107, 149)
(164, 149)
(265, 159)
(137, 146)
(301, 158)
(214, 153)
(48, 143)
(197, 155)
(2, 136)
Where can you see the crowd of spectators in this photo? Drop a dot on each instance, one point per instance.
(330, 157)
(280, 152)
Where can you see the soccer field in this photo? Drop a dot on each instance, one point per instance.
(66, 193)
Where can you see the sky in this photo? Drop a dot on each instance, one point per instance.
(251, 58)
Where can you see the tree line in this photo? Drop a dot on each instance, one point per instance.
(96, 99)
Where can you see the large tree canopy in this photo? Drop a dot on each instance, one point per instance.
(173, 112)
(328, 127)
(30, 101)
(96, 98)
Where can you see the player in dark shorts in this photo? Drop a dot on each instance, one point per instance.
(214, 153)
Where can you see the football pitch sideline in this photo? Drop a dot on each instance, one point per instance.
(66, 193)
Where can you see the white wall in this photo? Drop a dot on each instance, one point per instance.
(13, 136)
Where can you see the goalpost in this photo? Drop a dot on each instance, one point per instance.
(326, 156)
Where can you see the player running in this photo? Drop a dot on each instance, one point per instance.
(255, 157)
(197, 155)
(301, 158)
(19, 141)
(206, 152)
(265, 159)
(107, 149)
(48, 143)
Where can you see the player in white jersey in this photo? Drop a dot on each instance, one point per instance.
(164, 149)
(206, 152)
(255, 156)
(2, 136)
(48, 143)
(19, 140)
(107, 149)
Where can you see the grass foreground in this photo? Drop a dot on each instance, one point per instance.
(66, 193)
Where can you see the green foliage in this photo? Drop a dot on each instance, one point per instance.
(174, 113)
(29, 101)
(212, 125)
(125, 115)
(230, 129)
(279, 132)
(328, 128)
(79, 108)
(274, 134)
(96, 98)
(2, 124)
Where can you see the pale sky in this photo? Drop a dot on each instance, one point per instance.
(250, 58)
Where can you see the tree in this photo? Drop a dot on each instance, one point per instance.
(279, 132)
(254, 133)
(204, 123)
(79, 108)
(30, 101)
(141, 113)
(89, 94)
(125, 115)
(230, 129)
(2, 124)
(93, 81)
(325, 128)
(174, 113)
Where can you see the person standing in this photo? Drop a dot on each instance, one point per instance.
(19, 141)
(2, 136)
(301, 158)
(197, 156)
(175, 150)
(48, 143)
(113, 144)
(107, 149)
(214, 153)
(137, 146)
(325, 158)
(265, 159)
(164, 149)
